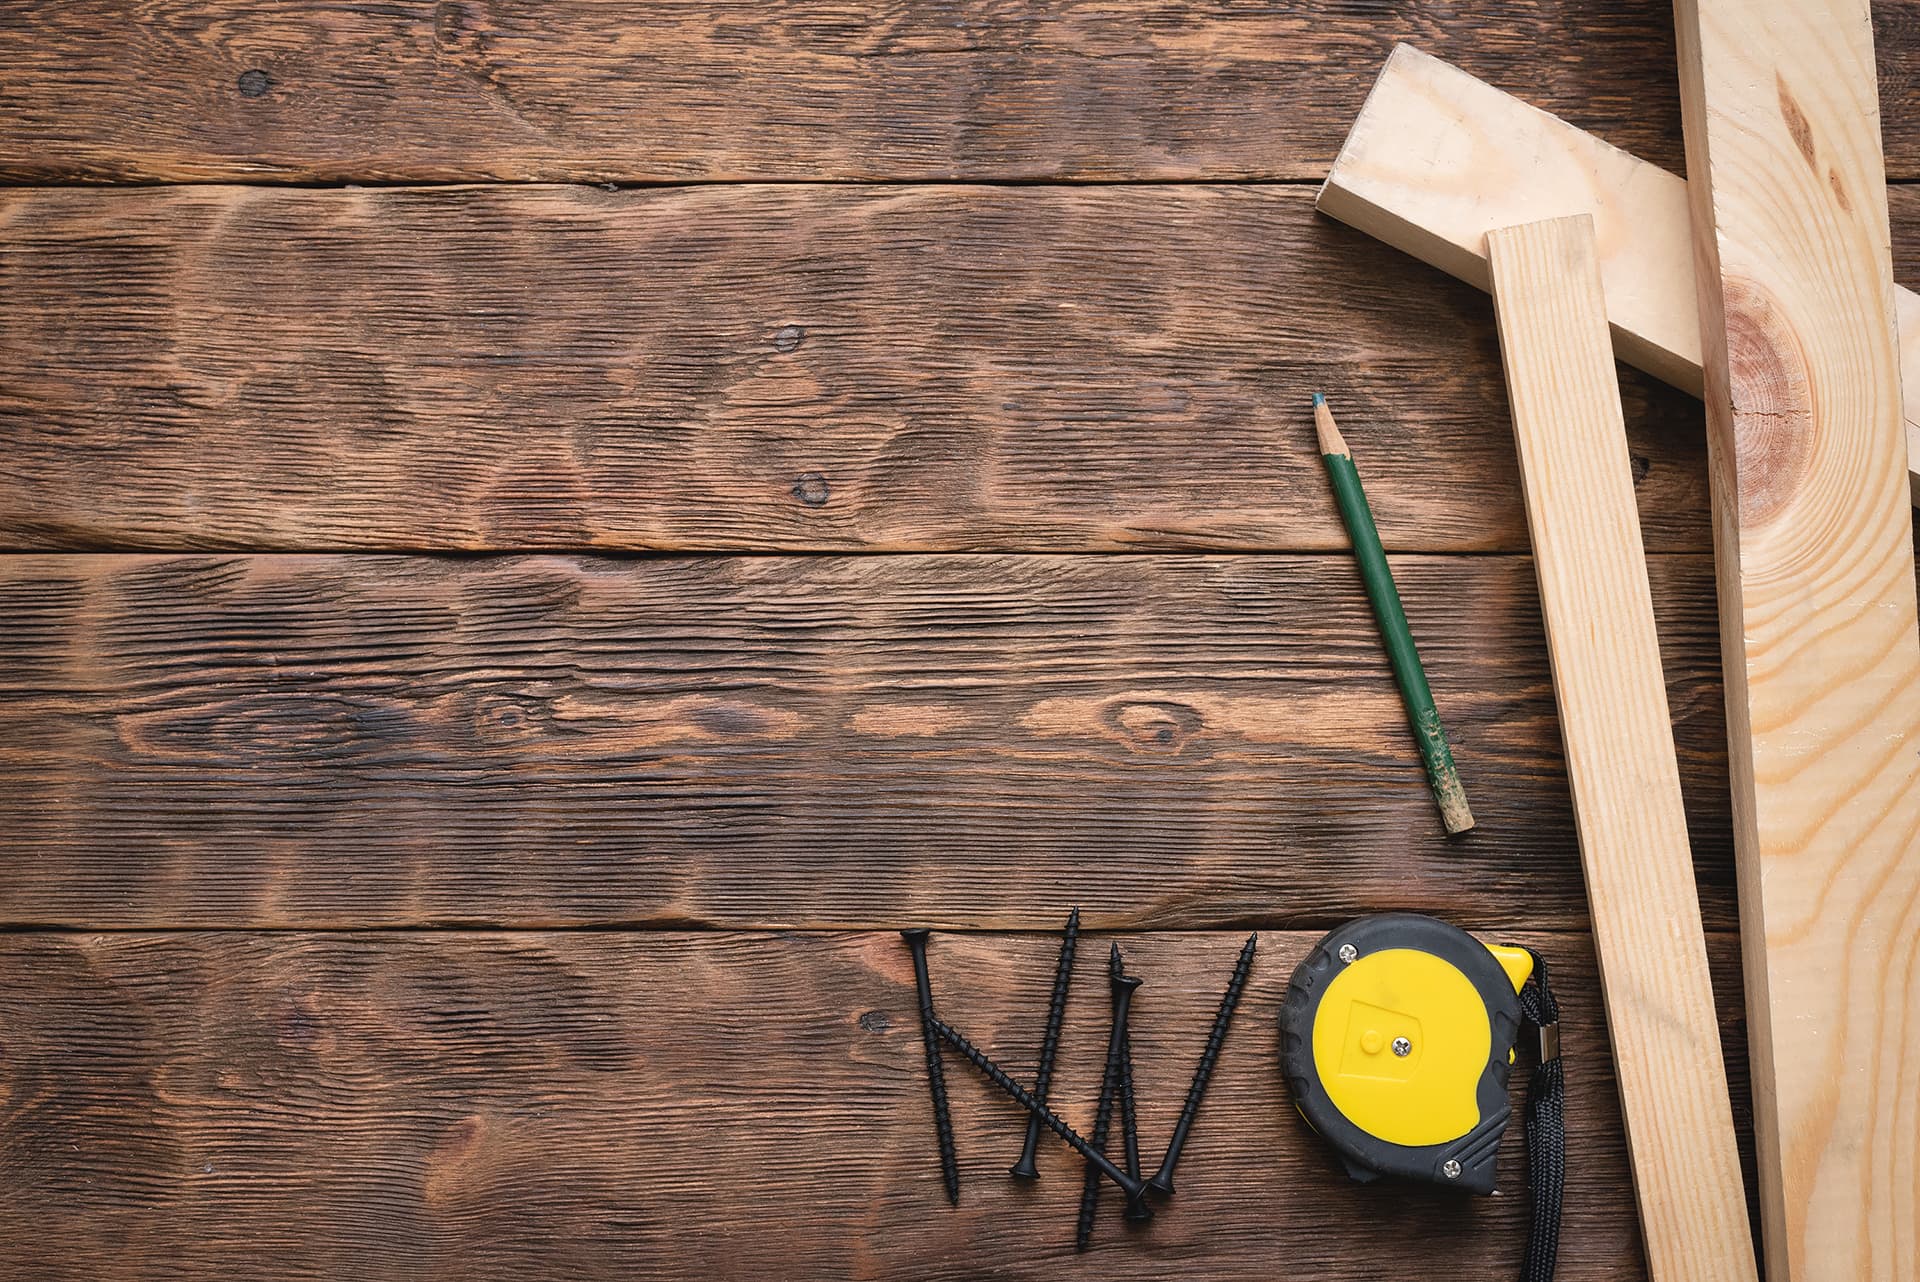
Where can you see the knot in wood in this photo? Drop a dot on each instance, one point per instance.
(812, 489)
(1773, 423)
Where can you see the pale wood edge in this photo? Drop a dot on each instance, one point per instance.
(1681, 1142)
(1405, 232)
(1837, 1195)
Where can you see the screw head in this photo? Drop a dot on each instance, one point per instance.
(1402, 1047)
(1451, 1169)
(1348, 952)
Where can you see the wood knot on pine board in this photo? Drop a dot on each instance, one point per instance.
(1797, 124)
(1839, 191)
(788, 337)
(254, 83)
(1773, 422)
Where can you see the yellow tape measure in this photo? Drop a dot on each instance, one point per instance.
(1397, 1037)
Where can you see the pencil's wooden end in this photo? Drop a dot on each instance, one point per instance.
(1453, 807)
(1331, 442)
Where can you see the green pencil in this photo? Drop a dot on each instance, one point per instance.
(1407, 672)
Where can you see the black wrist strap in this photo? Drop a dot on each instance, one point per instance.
(1546, 1128)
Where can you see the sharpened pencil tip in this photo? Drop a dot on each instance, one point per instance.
(1331, 442)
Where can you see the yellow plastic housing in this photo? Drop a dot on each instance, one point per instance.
(1400, 1041)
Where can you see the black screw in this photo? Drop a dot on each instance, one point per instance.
(1025, 1169)
(1122, 987)
(1130, 1136)
(1162, 1181)
(1134, 1189)
(936, 1078)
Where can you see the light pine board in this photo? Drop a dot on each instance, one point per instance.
(1618, 734)
(1437, 159)
(1818, 626)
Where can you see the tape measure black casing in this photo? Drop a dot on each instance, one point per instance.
(1366, 1156)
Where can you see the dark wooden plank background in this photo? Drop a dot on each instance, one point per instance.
(500, 1105)
(380, 899)
(751, 367)
(729, 90)
(824, 741)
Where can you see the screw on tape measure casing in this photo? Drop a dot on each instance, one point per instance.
(1397, 1037)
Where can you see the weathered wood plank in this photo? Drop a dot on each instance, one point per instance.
(279, 90)
(747, 368)
(816, 741)
(273, 90)
(1821, 637)
(688, 1106)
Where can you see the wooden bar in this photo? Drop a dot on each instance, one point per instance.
(688, 1105)
(1622, 770)
(1820, 636)
(743, 368)
(1437, 159)
(807, 742)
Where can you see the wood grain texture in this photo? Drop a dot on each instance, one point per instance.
(744, 368)
(1820, 635)
(1618, 733)
(1437, 159)
(585, 90)
(687, 1106)
(818, 741)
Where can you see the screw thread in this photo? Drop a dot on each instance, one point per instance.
(936, 1074)
(1203, 1071)
(1020, 1095)
(1090, 1187)
(1057, 1008)
(1050, 1041)
(1129, 1134)
(1122, 989)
